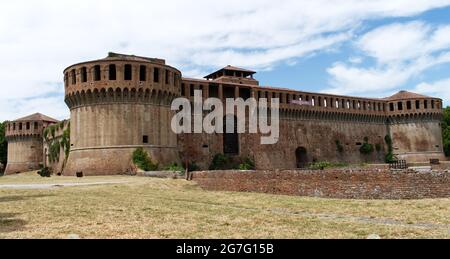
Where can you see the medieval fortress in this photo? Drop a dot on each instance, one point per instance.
(122, 102)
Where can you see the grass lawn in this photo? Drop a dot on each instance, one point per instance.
(134, 207)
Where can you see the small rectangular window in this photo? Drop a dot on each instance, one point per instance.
(128, 74)
(112, 72)
(391, 107)
(183, 90)
(433, 104)
(417, 104)
(156, 75)
(425, 104)
(409, 105)
(167, 77)
(28, 125)
(192, 90)
(145, 139)
(36, 125)
(143, 73)
(400, 106)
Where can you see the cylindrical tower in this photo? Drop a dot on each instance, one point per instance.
(118, 104)
(25, 143)
(415, 127)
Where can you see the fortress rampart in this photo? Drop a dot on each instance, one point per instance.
(122, 102)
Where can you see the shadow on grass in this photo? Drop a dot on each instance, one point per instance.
(10, 223)
(22, 197)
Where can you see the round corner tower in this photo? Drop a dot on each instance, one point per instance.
(119, 104)
(415, 126)
(25, 143)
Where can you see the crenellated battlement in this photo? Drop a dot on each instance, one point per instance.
(121, 78)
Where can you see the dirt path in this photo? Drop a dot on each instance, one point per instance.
(53, 185)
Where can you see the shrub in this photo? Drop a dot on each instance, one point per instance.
(220, 162)
(366, 148)
(248, 164)
(45, 172)
(143, 161)
(174, 168)
(390, 157)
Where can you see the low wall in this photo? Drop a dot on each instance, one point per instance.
(342, 184)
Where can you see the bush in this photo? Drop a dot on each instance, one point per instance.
(174, 168)
(220, 162)
(45, 172)
(390, 157)
(143, 161)
(366, 148)
(248, 164)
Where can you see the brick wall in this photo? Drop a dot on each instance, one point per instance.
(342, 184)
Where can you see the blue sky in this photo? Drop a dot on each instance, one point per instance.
(370, 48)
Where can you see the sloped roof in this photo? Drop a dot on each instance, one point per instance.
(37, 117)
(405, 95)
(118, 56)
(232, 68)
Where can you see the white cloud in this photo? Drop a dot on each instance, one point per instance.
(40, 38)
(402, 52)
(439, 88)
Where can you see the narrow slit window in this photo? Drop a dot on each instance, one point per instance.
(167, 77)
(145, 139)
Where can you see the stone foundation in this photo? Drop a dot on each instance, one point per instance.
(341, 184)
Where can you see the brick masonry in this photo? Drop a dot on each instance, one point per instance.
(341, 184)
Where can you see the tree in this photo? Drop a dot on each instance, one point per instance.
(446, 131)
(3, 144)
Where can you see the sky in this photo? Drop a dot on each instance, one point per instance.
(370, 48)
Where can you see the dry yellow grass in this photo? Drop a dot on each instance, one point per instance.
(159, 208)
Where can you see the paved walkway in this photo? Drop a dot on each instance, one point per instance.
(53, 185)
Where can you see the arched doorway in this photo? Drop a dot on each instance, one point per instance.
(230, 140)
(301, 155)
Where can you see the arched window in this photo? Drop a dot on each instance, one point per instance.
(83, 75)
(128, 73)
(97, 73)
(142, 73)
(112, 72)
